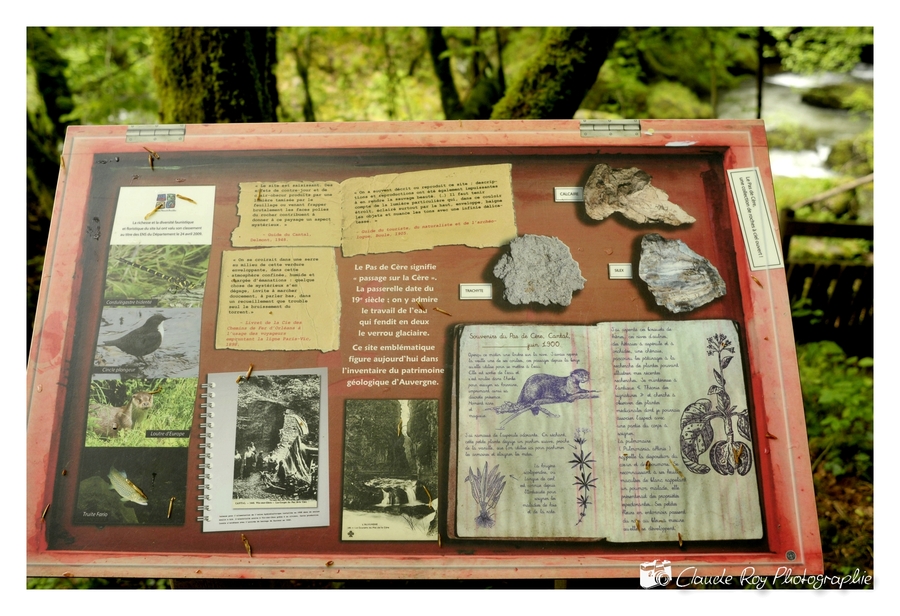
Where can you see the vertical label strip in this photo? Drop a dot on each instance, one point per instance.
(756, 220)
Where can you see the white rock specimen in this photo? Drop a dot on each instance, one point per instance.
(679, 278)
(539, 269)
(629, 192)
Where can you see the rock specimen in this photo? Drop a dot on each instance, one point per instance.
(629, 192)
(539, 269)
(679, 278)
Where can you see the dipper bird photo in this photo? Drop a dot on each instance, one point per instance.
(143, 340)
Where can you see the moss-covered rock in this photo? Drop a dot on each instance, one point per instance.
(792, 137)
(854, 156)
(850, 96)
(672, 100)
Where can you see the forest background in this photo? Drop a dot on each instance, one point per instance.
(107, 75)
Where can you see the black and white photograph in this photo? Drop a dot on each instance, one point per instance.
(390, 470)
(276, 451)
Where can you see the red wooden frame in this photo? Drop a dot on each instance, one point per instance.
(759, 301)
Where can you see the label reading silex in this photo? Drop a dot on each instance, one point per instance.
(565, 194)
(620, 271)
(476, 291)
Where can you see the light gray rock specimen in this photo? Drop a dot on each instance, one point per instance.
(539, 269)
(629, 192)
(679, 278)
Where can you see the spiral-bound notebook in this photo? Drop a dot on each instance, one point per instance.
(265, 459)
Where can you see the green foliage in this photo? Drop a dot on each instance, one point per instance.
(49, 98)
(854, 156)
(856, 97)
(356, 74)
(790, 190)
(174, 274)
(50, 583)
(816, 49)
(473, 53)
(65, 583)
(619, 91)
(803, 309)
(844, 207)
(838, 396)
(672, 100)
(702, 59)
(671, 72)
(851, 251)
(840, 208)
(109, 73)
(792, 137)
(558, 76)
(519, 45)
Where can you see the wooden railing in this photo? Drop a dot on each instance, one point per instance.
(832, 300)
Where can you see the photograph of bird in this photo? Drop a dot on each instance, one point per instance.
(143, 340)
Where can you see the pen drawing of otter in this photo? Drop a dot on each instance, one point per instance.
(541, 389)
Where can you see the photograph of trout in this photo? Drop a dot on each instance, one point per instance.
(131, 485)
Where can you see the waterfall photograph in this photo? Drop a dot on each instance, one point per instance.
(390, 470)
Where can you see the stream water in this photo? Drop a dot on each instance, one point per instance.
(782, 107)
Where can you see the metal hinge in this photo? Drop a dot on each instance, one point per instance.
(155, 132)
(610, 128)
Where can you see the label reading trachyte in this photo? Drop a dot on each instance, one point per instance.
(477, 290)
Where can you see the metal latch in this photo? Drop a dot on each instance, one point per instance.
(610, 128)
(138, 133)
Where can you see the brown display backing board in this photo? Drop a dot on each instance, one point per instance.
(687, 159)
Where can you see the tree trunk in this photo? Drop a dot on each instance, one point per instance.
(302, 59)
(206, 75)
(555, 82)
(49, 69)
(440, 60)
(487, 82)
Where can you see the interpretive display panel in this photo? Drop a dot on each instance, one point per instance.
(423, 350)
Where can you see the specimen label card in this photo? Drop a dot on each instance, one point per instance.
(476, 290)
(620, 271)
(279, 299)
(567, 194)
(623, 431)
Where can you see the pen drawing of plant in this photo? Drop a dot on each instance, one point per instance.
(583, 479)
(486, 490)
(726, 456)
